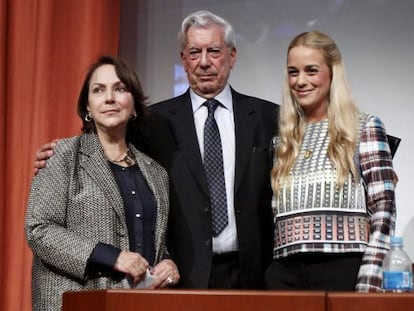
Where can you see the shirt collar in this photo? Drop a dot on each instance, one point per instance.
(224, 97)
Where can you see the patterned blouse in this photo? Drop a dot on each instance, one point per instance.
(313, 214)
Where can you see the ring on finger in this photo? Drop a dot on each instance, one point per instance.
(170, 280)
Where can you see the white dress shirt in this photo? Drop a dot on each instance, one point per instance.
(226, 241)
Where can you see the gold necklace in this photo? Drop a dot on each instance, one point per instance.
(128, 158)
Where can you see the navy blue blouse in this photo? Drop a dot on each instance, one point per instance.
(140, 214)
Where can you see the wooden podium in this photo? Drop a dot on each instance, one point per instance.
(370, 302)
(194, 300)
(202, 300)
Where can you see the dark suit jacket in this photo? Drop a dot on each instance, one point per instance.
(173, 142)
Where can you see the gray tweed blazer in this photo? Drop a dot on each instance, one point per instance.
(74, 203)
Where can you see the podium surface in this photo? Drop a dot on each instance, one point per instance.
(202, 300)
(370, 302)
(199, 300)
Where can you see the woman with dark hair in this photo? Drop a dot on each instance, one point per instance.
(97, 214)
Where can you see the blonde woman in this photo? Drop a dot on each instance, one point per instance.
(333, 179)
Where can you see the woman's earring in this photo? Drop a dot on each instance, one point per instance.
(88, 117)
(134, 116)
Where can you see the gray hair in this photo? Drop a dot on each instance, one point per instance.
(204, 19)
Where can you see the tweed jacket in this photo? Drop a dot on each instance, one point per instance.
(73, 204)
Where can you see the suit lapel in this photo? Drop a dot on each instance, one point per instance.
(245, 132)
(93, 160)
(187, 142)
(186, 138)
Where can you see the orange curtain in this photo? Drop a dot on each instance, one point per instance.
(46, 47)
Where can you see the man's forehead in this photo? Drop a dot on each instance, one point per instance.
(211, 33)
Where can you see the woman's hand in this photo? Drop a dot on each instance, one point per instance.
(166, 274)
(132, 264)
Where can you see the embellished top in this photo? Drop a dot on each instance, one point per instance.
(313, 214)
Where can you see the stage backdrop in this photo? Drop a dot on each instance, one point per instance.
(376, 38)
(46, 47)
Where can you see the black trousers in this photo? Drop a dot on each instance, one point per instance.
(225, 272)
(315, 271)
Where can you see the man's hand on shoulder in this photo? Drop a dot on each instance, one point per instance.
(42, 154)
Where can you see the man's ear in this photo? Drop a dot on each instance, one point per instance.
(233, 55)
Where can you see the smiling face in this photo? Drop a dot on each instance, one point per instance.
(109, 102)
(309, 81)
(207, 60)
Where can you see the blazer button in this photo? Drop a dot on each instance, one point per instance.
(208, 242)
(207, 208)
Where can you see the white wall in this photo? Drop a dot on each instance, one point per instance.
(376, 38)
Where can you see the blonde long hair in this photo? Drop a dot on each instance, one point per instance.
(342, 114)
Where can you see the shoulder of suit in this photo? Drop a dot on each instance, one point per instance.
(65, 151)
(83, 143)
(166, 104)
(253, 99)
(140, 156)
(68, 143)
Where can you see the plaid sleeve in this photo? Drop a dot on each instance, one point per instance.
(380, 178)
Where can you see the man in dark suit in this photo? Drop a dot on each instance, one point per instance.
(238, 255)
